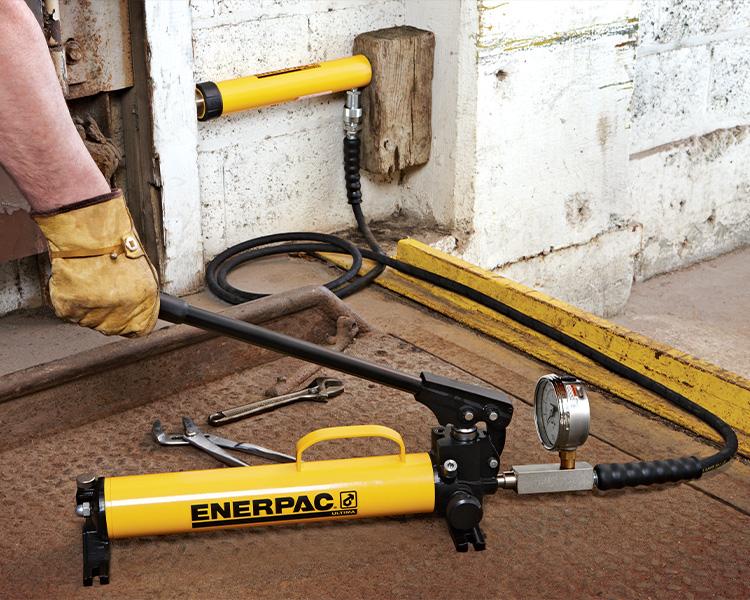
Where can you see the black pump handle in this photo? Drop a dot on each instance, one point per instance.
(451, 401)
(176, 310)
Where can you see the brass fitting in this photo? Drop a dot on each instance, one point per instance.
(567, 459)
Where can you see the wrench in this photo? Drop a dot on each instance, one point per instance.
(319, 390)
(213, 444)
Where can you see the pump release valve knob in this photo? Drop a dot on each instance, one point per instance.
(464, 511)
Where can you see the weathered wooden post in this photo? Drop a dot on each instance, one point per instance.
(397, 104)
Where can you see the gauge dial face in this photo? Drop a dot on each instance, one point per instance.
(561, 412)
(548, 414)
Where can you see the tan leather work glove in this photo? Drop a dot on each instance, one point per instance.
(101, 277)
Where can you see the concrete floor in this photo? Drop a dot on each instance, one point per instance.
(702, 310)
(34, 338)
(684, 541)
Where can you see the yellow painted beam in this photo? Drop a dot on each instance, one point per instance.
(722, 392)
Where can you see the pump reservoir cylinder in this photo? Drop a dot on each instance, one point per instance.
(306, 491)
(214, 99)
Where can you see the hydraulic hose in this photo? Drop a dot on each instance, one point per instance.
(608, 476)
(345, 285)
(354, 196)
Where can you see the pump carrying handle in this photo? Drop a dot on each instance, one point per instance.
(347, 432)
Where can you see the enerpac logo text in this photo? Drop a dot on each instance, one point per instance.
(265, 510)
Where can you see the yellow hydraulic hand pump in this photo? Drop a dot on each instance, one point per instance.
(351, 488)
(232, 95)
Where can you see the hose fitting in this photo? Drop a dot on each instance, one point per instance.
(352, 114)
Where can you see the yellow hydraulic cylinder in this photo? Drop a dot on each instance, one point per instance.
(275, 87)
(264, 495)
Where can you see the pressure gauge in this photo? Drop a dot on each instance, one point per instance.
(561, 412)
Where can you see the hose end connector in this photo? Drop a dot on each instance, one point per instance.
(352, 114)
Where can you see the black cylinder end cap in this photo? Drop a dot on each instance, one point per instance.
(213, 104)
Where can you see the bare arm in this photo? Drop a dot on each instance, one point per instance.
(39, 145)
(101, 277)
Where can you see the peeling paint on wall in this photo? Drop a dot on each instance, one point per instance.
(626, 27)
(612, 253)
(696, 194)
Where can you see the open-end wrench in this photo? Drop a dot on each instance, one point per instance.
(319, 390)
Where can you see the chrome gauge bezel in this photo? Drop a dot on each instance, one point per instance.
(573, 412)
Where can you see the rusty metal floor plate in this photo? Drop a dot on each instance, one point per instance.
(662, 542)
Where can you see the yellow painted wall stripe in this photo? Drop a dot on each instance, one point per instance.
(722, 392)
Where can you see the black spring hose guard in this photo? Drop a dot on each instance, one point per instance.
(608, 476)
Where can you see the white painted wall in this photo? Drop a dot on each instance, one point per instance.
(168, 29)
(577, 146)
(605, 152)
(563, 154)
(690, 148)
(550, 204)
